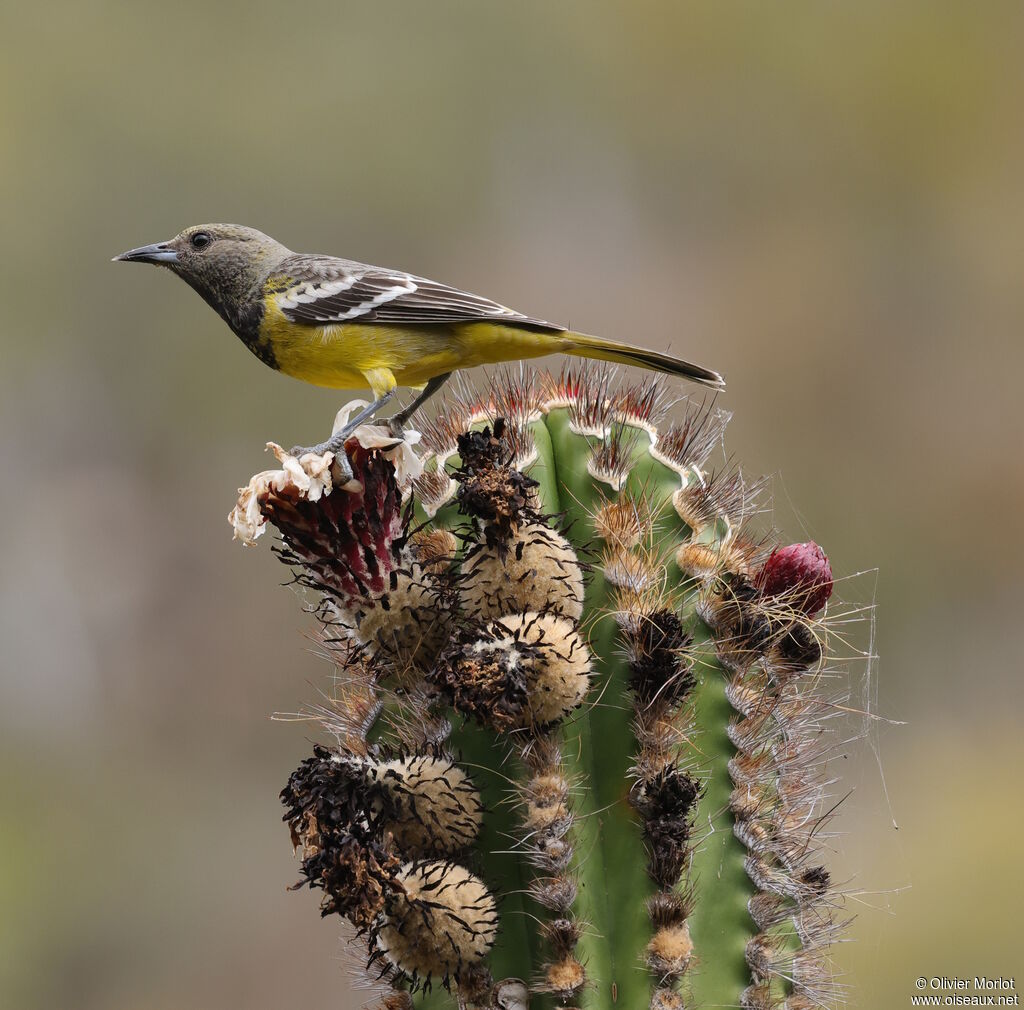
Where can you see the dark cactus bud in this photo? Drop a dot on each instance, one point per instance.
(659, 667)
(491, 489)
(667, 805)
(341, 851)
(801, 573)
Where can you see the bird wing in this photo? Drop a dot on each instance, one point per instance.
(323, 290)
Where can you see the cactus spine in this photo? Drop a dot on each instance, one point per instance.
(579, 741)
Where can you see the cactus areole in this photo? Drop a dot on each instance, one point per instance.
(575, 746)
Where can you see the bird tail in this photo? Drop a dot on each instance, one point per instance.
(609, 350)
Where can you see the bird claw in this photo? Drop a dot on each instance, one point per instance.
(344, 464)
(336, 445)
(298, 451)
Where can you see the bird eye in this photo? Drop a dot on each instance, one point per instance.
(200, 240)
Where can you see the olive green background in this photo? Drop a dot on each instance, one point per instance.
(824, 201)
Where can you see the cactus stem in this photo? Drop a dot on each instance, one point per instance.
(564, 783)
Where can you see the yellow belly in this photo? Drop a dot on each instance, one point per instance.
(354, 355)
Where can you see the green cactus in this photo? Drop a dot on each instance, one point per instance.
(578, 739)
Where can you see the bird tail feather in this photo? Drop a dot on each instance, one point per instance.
(585, 346)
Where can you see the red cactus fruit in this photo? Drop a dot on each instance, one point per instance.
(801, 573)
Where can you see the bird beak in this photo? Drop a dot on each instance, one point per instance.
(159, 252)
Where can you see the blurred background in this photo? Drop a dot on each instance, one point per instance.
(824, 202)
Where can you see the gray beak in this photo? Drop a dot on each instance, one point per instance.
(159, 252)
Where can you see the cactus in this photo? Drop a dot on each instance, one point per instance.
(578, 730)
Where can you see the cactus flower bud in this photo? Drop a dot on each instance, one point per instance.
(800, 572)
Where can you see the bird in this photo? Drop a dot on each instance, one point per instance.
(341, 324)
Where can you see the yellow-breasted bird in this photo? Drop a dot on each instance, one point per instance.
(334, 322)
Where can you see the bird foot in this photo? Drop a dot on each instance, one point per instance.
(336, 445)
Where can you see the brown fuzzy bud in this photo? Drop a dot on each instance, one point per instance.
(565, 977)
(547, 788)
(699, 561)
(624, 523)
(670, 950)
(434, 549)
(555, 818)
(632, 570)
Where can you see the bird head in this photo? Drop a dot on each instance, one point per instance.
(225, 263)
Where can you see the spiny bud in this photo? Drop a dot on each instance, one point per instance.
(434, 549)
(565, 977)
(491, 489)
(557, 893)
(440, 922)
(800, 573)
(669, 908)
(734, 609)
(405, 626)
(670, 950)
(699, 561)
(524, 670)
(796, 649)
(563, 934)
(427, 802)
(667, 804)
(624, 522)
(768, 910)
(659, 666)
(636, 571)
(536, 569)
